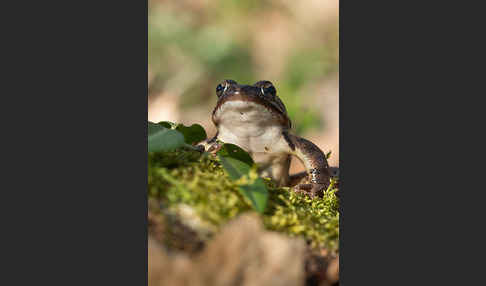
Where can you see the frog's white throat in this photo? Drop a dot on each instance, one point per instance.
(249, 125)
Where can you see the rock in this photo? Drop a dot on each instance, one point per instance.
(321, 267)
(333, 271)
(165, 269)
(175, 230)
(243, 253)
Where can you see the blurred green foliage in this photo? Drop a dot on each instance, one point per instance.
(194, 46)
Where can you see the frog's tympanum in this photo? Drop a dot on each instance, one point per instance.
(254, 118)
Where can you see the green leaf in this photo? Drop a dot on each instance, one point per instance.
(163, 139)
(233, 151)
(234, 167)
(167, 124)
(255, 191)
(152, 128)
(328, 154)
(192, 134)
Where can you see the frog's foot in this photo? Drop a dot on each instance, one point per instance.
(334, 171)
(211, 147)
(199, 148)
(299, 178)
(215, 147)
(312, 190)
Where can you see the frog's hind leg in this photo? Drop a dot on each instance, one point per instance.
(296, 179)
(315, 163)
(302, 180)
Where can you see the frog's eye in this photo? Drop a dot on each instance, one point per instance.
(269, 90)
(219, 90)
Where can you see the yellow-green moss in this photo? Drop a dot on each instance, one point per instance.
(184, 177)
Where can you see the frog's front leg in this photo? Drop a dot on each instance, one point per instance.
(315, 163)
(210, 145)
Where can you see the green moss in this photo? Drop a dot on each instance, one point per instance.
(184, 177)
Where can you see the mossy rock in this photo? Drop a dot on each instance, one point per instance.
(187, 178)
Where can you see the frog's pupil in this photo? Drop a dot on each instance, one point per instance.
(270, 90)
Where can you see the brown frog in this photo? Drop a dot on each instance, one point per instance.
(254, 118)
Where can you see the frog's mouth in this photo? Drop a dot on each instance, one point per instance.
(248, 94)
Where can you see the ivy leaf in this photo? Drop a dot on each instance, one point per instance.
(235, 168)
(153, 127)
(167, 124)
(255, 191)
(192, 134)
(163, 139)
(233, 151)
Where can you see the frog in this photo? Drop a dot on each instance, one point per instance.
(254, 118)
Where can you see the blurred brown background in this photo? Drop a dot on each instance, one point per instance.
(193, 45)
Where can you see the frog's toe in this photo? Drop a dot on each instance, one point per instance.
(199, 148)
(215, 148)
(312, 190)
